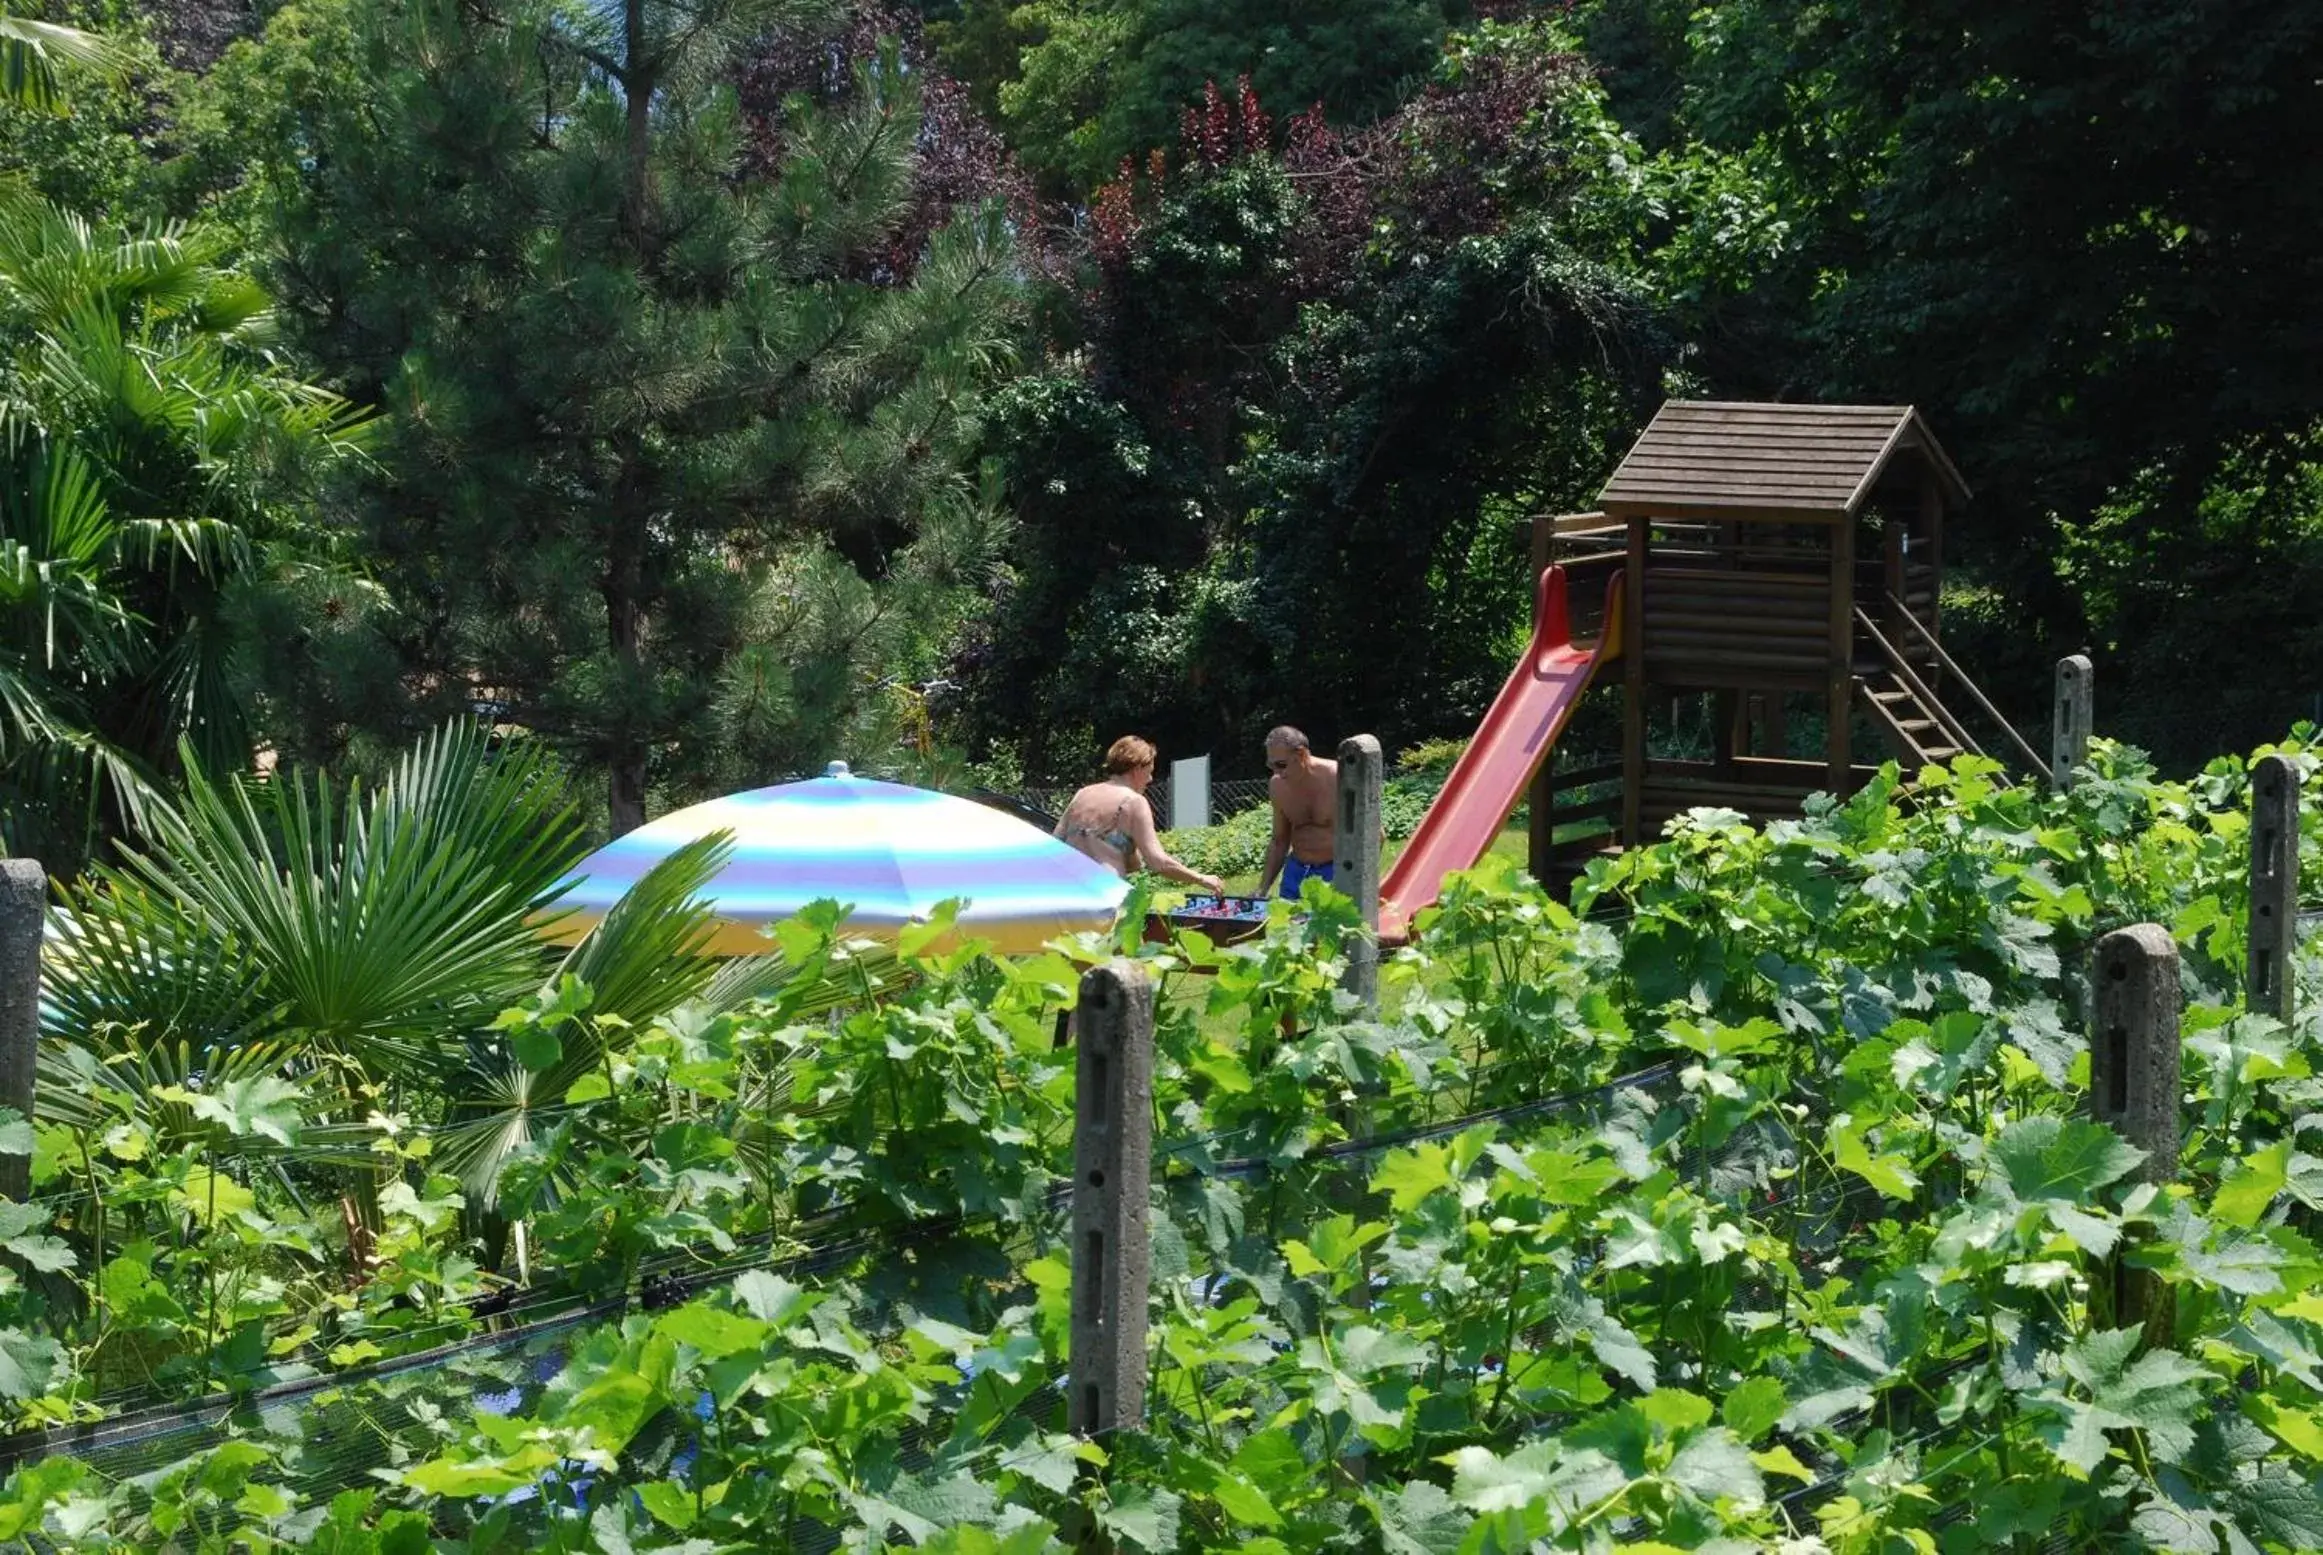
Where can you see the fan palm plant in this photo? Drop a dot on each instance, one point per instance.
(365, 942)
(146, 440)
(365, 933)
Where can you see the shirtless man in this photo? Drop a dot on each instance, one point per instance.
(1305, 791)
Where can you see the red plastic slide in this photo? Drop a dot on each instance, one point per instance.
(1492, 775)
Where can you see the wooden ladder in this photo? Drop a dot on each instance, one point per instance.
(1921, 730)
(1918, 728)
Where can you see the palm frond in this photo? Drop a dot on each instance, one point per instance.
(141, 969)
(378, 927)
(31, 51)
(646, 958)
(643, 960)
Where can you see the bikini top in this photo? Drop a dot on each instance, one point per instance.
(1116, 839)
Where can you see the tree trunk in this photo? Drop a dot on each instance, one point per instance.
(625, 753)
(637, 89)
(623, 585)
(625, 790)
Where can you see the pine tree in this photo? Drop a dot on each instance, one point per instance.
(680, 450)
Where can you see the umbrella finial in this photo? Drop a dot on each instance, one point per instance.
(837, 769)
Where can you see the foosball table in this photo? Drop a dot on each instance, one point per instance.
(1220, 919)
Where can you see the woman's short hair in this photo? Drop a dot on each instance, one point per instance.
(1128, 753)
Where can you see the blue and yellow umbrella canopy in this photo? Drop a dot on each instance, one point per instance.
(891, 851)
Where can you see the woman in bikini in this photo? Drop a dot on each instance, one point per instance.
(1111, 822)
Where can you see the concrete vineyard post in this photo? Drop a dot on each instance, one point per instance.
(1112, 1161)
(2135, 1085)
(2074, 721)
(2274, 885)
(1355, 855)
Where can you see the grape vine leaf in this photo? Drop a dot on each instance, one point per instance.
(1420, 1519)
(1050, 1462)
(2251, 1185)
(1146, 1517)
(1753, 1407)
(1242, 1500)
(536, 1046)
(669, 1501)
(261, 1105)
(1887, 1171)
(2038, 1031)
(2276, 1505)
(1712, 1465)
(770, 1298)
(2297, 1429)
(2236, 1261)
(1485, 1483)
(1409, 1176)
(2281, 1346)
(455, 1476)
(27, 1361)
(2155, 1393)
(920, 1507)
(2184, 1530)
(1781, 1460)
(32, 1488)
(715, 1333)
(2067, 1159)
(22, 1232)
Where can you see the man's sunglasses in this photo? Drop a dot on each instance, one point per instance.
(1282, 764)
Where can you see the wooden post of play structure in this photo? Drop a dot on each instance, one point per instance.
(1355, 858)
(2135, 1085)
(1541, 800)
(1839, 669)
(2069, 734)
(23, 908)
(1112, 1161)
(2274, 885)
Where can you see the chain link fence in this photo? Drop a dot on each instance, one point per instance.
(1229, 797)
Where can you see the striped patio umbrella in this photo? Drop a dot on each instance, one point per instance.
(892, 851)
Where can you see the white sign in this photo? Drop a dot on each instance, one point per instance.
(1190, 792)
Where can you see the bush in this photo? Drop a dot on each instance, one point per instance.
(1235, 846)
(1430, 761)
(1404, 801)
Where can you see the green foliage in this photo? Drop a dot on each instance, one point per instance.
(149, 446)
(93, 152)
(1843, 1230)
(35, 55)
(389, 947)
(1234, 846)
(1327, 385)
(374, 925)
(1082, 84)
(681, 454)
(1430, 760)
(2015, 218)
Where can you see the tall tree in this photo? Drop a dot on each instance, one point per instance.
(2068, 232)
(681, 433)
(1325, 386)
(1083, 83)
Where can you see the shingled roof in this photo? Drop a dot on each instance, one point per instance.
(1727, 459)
